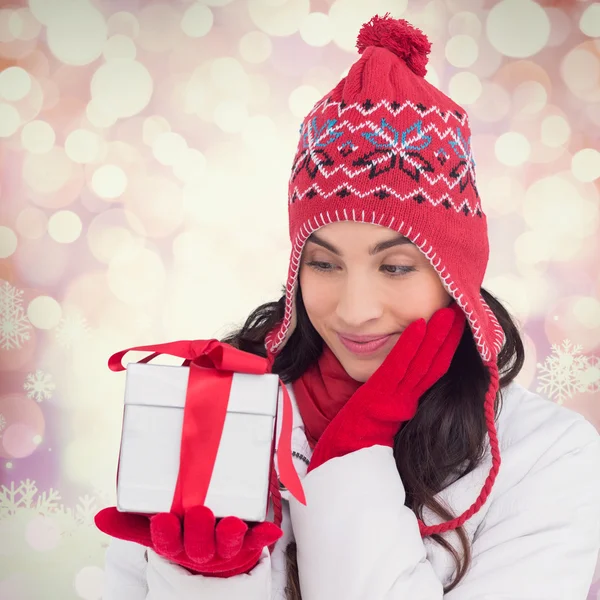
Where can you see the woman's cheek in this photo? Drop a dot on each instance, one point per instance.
(419, 297)
(316, 292)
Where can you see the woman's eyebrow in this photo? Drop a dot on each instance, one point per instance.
(380, 247)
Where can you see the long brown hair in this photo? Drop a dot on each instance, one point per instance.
(453, 408)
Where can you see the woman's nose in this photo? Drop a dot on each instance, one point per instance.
(358, 302)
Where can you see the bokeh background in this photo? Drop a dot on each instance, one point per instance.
(145, 152)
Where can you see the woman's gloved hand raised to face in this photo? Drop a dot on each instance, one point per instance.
(374, 413)
(198, 541)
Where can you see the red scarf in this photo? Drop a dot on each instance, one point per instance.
(321, 392)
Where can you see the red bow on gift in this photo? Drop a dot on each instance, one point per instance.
(212, 364)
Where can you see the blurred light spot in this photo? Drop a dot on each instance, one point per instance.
(44, 263)
(98, 117)
(533, 247)
(278, 18)
(136, 277)
(465, 87)
(45, 11)
(546, 210)
(23, 25)
(432, 76)
(555, 131)
(109, 181)
(43, 533)
(580, 70)
(49, 172)
(159, 26)
(563, 321)
(503, 194)
(302, 99)
(231, 115)
(123, 23)
(512, 291)
(109, 235)
(153, 127)
(197, 20)
(122, 87)
(518, 28)
(8, 241)
(586, 164)
(196, 93)
(255, 47)
(320, 77)
(6, 34)
(83, 146)
(119, 46)
(89, 583)
(44, 312)
(587, 311)
(512, 148)
(592, 112)
(529, 97)
(347, 17)
(64, 226)
(10, 119)
(169, 147)
(589, 22)
(259, 92)
(260, 133)
(466, 23)
(15, 83)
(229, 76)
(157, 205)
(32, 223)
(37, 440)
(462, 51)
(190, 166)
(560, 27)
(315, 29)
(77, 36)
(38, 137)
(9, 465)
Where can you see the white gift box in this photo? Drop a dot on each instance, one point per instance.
(151, 441)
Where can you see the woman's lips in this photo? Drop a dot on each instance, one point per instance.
(369, 346)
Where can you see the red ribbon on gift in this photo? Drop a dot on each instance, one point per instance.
(212, 364)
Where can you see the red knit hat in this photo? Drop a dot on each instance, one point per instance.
(387, 147)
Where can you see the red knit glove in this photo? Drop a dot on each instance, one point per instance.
(391, 395)
(198, 542)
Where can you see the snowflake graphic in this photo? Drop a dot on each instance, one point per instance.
(2, 422)
(591, 377)
(25, 496)
(16, 497)
(14, 324)
(564, 372)
(68, 540)
(39, 386)
(72, 329)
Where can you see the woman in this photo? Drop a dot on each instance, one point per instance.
(428, 472)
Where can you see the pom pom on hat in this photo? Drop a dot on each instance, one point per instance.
(397, 36)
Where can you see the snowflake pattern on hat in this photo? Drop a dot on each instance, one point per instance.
(377, 139)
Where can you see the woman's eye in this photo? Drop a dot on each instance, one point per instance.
(397, 269)
(320, 266)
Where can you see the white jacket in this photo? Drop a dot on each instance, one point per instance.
(536, 537)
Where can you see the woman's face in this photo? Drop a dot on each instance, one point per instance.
(361, 280)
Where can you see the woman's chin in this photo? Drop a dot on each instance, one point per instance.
(360, 370)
